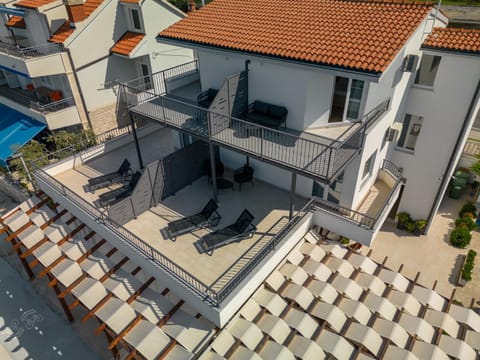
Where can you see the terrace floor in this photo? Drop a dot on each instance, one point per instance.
(269, 205)
(375, 199)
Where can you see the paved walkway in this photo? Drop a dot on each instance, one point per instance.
(29, 329)
(431, 255)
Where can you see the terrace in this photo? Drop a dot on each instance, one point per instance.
(212, 278)
(170, 98)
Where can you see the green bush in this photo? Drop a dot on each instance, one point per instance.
(467, 222)
(420, 226)
(410, 226)
(468, 266)
(344, 240)
(469, 207)
(460, 237)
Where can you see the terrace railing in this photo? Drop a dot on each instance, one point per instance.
(31, 51)
(308, 155)
(356, 217)
(29, 100)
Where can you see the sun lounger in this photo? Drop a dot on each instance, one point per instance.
(208, 216)
(239, 230)
(114, 196)
(114, 177)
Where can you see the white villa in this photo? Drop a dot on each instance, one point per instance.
(212, 228)
(61, 61)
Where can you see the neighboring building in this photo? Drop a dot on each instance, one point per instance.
(353, 102)
(61, 61)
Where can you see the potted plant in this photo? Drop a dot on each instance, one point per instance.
(344, 240)
(403, 219)
(467, 222)
(420, 226)
(469, 207)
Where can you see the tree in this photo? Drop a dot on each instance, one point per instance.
(33, 150)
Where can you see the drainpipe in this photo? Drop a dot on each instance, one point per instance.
(451, 162)
(77, 81)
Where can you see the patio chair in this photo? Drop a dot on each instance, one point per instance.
(206, 98)
(104, 180)
(243, 175)
(208, 216)
(114, 196)
(239, 230)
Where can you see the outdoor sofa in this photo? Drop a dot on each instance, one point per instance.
(265, 114)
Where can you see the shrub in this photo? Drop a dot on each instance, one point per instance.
(420, 226)
(344, 240)
(466, 221)
(469, 207)
(410, 226)
(468, 266)
(460, 237)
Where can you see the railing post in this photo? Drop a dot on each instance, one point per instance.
(261, 142)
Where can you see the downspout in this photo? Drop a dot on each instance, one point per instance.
(80, 91)
(451, 162)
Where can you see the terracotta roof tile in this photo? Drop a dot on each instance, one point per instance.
(17, 22)
(127, 43)
(33, 4)
(454, 39)
(361, 35)
(62, 33)
(79, 13)
(130, 1)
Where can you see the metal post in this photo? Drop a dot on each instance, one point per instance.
(292, 195)
(214, 171)
(29, 176)
(326, 187)
(137, 145)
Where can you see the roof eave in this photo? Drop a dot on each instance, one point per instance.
(371, 75)
(450, 51)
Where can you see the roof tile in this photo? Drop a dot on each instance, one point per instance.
(127, 43)
(330, 32)
(17, 22)
(62, 33)
(33, 4)
(454, 39)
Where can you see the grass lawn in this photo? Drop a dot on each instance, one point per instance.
(461, 2)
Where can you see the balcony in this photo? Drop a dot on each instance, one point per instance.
(213, 280)
(33, 61)
(169, 97)
(364, 222)
(56, 114)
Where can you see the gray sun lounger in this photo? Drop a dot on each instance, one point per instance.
(239, 230)
(102, 181)
(208, 216)
(114, 196)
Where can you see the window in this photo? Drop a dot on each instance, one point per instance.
(368, 166)
(147, 82)
(427, 71)
(410, 131)
(408, 63)
(135, 16)
(347, 93)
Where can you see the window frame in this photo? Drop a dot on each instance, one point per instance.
(131, 17)
(434, 65)
(368, 165)
(345, 116)
(413, 128)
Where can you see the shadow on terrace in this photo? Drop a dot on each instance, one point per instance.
(269, 205)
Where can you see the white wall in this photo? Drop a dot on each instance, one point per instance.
(305, 91)
(37, 29)
(268, 173)
(443, 109)
(156, 17)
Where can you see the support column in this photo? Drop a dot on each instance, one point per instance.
(214, 171)
(292, 194)
(65, 307)
(325, 191)
(137, 145)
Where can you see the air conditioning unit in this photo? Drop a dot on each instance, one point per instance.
(391, 134)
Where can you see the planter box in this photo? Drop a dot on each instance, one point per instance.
(459, 281)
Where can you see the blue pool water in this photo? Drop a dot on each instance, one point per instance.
(16, 129)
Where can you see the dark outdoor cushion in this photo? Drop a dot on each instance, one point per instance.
(212, 93)
(260, 107)
(264, 120)
(276, 111)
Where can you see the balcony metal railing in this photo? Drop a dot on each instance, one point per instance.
(27, 99)
(31, 51)
(147, 97)
(357, 217)
(185, 278)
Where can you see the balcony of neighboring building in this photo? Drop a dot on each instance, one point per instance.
(364, 221)
(43, 104)
(212, 282)
(174, 98)
(32, 60)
